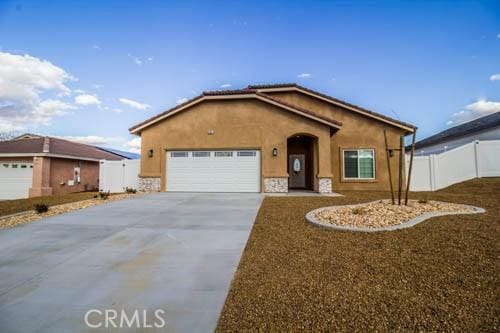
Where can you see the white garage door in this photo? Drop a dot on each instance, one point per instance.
(15, 180)
(213, 171)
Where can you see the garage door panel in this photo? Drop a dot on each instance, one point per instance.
(15, 180)
(213, 171)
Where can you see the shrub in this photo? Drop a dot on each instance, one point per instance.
(130, 190)
(424, 200)
(358, 211)
(41, 208)
(103, 195)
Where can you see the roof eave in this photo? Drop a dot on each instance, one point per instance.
(209, 96)
(409, 129)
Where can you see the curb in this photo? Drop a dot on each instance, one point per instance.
(408, 224)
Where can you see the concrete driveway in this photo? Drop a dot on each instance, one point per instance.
(171, 251)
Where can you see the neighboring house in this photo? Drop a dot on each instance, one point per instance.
(32, 165)
(125, 154)
(267, 138)
(484, 128)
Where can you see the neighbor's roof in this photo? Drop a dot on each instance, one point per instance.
(124, 154)
(227, 94)
(55, 147)
(471, 127)
(258, 91)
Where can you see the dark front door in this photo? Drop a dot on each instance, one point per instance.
(297, 170)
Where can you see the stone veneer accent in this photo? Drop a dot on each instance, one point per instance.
(273, 185)
(149, 184)
(325, 185)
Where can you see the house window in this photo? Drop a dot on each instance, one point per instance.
(246, 154)
(359, 164)
(223, 154)
(201, 154)
(179, 154)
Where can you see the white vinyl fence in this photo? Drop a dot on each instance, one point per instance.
(473, 160)
(116, 176)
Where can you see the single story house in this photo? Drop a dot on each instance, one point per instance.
(267, 138)
(481, 129)
(33, 165)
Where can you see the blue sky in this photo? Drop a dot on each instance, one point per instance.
(429, 63)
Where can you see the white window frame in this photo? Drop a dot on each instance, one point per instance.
(358, 150)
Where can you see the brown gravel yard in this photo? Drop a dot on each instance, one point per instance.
(441, 275)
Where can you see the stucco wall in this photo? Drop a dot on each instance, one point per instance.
(248, 123)
(243, 123)
(358, 131)
(61, 170)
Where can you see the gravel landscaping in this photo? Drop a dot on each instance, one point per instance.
(440, 275)
(383, 213)
(8, 207)
(10, 221)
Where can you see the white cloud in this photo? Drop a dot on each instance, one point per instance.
(134, 104)
(87, 99)
(226, 85)
(97, 86)
(181, 100)
(134, 145)
(498, 36)
(96, 47)
(495, 77)
(24, 80)
(92, 139)
(304, 76)
(140, 61)
(473, 111)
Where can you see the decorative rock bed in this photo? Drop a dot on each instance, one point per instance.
(13, 220)
(382, 215)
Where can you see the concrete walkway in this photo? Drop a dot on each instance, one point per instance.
(171, 251)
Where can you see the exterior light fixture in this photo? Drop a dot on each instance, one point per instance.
(150, 153)
(275, 151)
(391, 152)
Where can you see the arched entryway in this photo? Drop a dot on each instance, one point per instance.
(301, 161)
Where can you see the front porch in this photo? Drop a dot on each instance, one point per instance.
(307, 162)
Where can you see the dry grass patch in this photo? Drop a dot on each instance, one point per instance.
(8, 207)
(441, 275)
(34, 215)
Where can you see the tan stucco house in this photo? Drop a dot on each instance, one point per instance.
(267, 138)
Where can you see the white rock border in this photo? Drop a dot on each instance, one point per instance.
(408, 224)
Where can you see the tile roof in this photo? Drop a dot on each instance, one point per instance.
(255, 89)
(333, 99)
(471, 127)
(51, 145)
(245, 91)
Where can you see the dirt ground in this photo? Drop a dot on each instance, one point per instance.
(441, 275)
